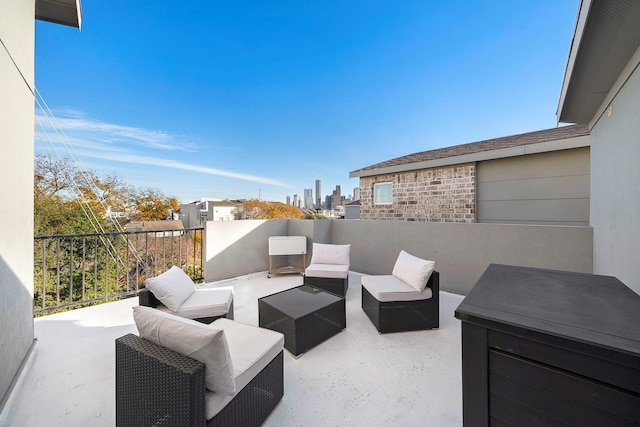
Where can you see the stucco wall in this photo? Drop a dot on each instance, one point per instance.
(462, 251)
(445, 194)
(615, 180)
(16, 188)
(234, 248)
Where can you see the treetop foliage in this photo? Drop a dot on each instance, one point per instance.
(66, 197)
(257, 209)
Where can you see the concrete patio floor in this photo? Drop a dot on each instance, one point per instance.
(356, 378)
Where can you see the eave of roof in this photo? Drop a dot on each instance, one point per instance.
(63, 12)
(606, 35)
(560, 138)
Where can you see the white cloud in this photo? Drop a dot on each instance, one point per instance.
(75, 125)
(155, 161)
(91, 138)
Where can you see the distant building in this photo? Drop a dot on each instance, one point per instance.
(318, 195)
(288, 200)
(356, 193)
(336, 198)
(195, 214)
(308, 198)
(296, 201)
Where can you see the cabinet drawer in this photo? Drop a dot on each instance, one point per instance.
(613, 368)
(521, 390)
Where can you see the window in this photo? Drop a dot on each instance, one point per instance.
(382, 193)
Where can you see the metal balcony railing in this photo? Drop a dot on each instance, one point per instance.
(73, 271)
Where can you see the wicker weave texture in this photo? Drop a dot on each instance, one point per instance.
(400, 316)
(333, 285)
(156, 386)
(253, 404)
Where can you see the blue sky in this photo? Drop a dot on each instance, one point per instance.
(241, 99)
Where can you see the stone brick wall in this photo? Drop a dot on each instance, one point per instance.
(446, 194)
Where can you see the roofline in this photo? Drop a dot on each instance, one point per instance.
(63, 12)
(576, 39)
(604, 42)
(501, 153)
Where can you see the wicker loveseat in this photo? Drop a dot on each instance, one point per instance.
(159, 386)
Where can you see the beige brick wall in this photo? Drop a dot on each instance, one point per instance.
(446, 194)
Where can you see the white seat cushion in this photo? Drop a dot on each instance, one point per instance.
(206, 302)
(389, 288)
(205, 343)
(330, 254)
(172, 287)
(412, 270)
(331, 271)
(251, 349)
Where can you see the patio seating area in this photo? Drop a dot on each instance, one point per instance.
(357, 377)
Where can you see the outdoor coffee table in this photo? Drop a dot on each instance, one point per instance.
(305, 315)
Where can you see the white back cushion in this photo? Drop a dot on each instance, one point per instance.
(199, 341)
(330, 254)
(412, 270)
(172, 287)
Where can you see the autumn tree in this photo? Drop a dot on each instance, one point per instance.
(257, 209)
(105, 194)
(57, 209)
(152, 205)
(71, 201)
(174, 204)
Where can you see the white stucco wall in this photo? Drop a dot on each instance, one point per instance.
(16, 187)
(615, 180)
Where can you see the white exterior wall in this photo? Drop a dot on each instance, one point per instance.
(615, 180)
(223, 213)
(16, 187)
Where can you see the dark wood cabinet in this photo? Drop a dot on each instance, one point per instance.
(546, 348)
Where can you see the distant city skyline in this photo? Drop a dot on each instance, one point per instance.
(308, 197)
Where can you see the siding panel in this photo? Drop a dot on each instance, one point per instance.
(546, 188)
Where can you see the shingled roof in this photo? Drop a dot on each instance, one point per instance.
(536, 137)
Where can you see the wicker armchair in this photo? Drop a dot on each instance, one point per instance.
(157, 386)
(329, 268)
(400, 316)
(406, 300)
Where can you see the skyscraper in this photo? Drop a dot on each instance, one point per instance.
(318, 195)
(308, 198)
(336, 197)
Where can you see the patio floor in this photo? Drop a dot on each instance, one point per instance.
(356, 378)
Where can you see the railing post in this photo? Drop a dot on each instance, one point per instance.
(58, 271)
(84, 257)
(44, 274)
(70, 269)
